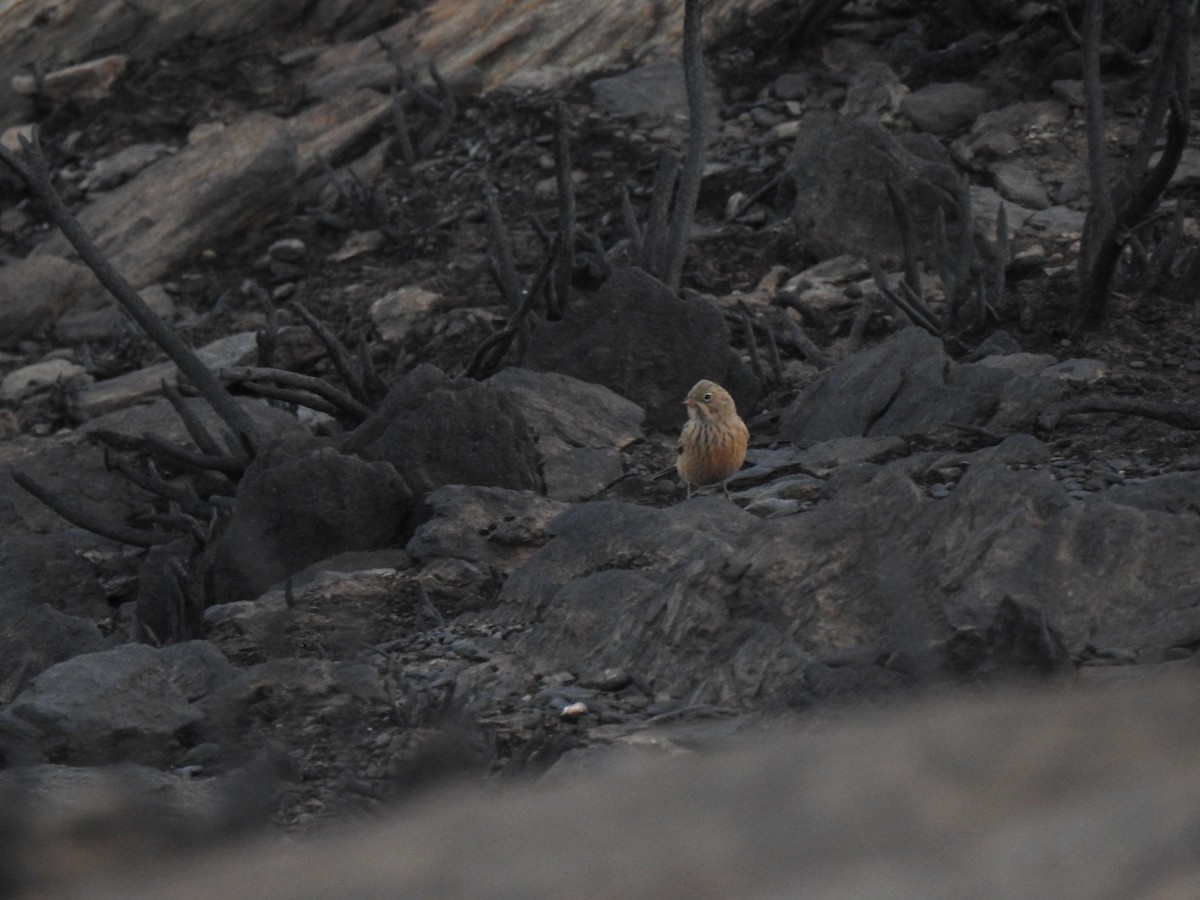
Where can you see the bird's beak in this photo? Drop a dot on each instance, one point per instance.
(689, 403)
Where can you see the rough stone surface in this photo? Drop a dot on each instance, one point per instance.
(840, 167)
(638, 339)
(122, 704)
(799, 814)
(179, 205)
(443, 430)
(945, 108)
(296, 505)
(36, 291)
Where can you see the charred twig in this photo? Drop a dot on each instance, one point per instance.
(751, 343)
(491, 350)
(862, 315)
(502, 253)
(230, 465)
(629, 218)
(346, 405)
(697, 141)
(916, 315)
(1178, 416)
(182, 494)
(403, 139)
(449, 109)
(195, 428)
(1093, 301)
(748, 203)
(135, 537)
(293, 398)
(560, 283)
(338, 353)
(655, 239)
(659, 215)
(904, 224)
(31, 166)
(801, 341)
(773, 356)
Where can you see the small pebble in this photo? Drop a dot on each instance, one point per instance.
(574, 710)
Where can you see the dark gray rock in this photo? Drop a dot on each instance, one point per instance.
(305, 685)
(125, 428)
(840, 168)
(492, 526)
(296, 505)
(130, 703)
(341, 612)
(36, 291)
(732, 613)
(33, 638)
(67, 464)
(443, 430)
(579, 427)
(897, 387)
(908, 385)
(945, 108)
(180, 205)
(936, 800)
(564, 412)
(655, 91)
(637, 338)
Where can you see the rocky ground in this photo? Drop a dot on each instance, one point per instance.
(489, 576)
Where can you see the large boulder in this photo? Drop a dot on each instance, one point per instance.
(297, 505)
(439, 430)
(636, 337)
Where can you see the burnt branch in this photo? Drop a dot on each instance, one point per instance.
(76, 515)
(195, 428)
(916, 314)
(31, 165)
(403, 139)
(488, 355)
(697, 141)
(346, 406)
(655, 234)
(747, 322)
(904, 224)
(502, 252)
(1179, 416)
(338, 353)
(446, 114)
(152, 482)
(801, 341)
(230, 465)
(560, 283)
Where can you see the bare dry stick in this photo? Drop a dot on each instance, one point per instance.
(346, 405)
(195, 428)
(801, 341)
(338, 353)
(693, 163)
(506, 268)
(904, 224)
(136, 537)
(560, 282)
(31, 166)
(1179, 416)
(655, 240)
(752, 344)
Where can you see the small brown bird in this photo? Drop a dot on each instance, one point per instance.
(713, 443)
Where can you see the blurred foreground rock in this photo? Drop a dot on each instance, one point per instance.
(1066, 793)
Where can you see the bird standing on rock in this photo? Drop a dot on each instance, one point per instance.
(713, 443)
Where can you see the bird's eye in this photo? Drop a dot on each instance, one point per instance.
(707, 396)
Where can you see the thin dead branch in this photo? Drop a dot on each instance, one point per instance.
(76, 515)
(697, 142)
(31, 165)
